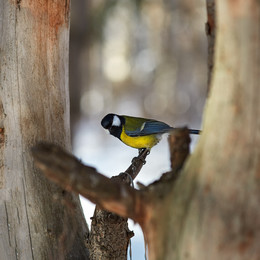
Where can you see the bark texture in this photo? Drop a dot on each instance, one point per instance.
(109, 237)
(38, 220)
(215, 212)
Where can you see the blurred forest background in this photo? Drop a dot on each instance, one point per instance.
(143, 58)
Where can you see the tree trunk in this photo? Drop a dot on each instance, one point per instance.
(213, 209)
(38, 220)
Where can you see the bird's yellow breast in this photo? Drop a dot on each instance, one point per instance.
(139, 142)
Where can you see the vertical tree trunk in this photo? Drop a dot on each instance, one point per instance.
(38, 220)
(215, 211)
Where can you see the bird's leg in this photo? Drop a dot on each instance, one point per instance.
(140, 151)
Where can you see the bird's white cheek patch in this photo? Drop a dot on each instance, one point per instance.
(116, 121)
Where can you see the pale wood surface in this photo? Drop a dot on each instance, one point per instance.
(35, 219)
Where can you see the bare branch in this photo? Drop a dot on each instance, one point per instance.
(133, 170)
(67, 171)
(179, 143)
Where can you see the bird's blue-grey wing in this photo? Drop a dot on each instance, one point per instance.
(150, 128)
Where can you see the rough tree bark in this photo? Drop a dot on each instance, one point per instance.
(211, 210)
(38, 220)
(110, 236)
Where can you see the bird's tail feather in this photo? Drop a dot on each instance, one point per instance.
(191, 131)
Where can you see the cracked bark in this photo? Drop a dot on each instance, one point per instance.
(35, 214)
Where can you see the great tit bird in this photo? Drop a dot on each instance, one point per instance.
(140, 133)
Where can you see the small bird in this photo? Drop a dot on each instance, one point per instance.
(137, 132)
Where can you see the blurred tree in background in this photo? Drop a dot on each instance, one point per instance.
(145, 58)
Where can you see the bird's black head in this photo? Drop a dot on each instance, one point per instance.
(113, 123)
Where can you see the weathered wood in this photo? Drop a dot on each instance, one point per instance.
(215, 211)
(38, 220)
(109, 237)
(113, 194)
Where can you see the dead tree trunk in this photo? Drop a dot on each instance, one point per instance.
(38, 220)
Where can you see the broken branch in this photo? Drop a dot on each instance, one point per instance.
(67, 171)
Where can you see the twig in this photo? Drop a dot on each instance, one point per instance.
(133, 170)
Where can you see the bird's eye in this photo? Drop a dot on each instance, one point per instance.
(107, 121)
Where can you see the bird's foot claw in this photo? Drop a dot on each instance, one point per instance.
(140, 151)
